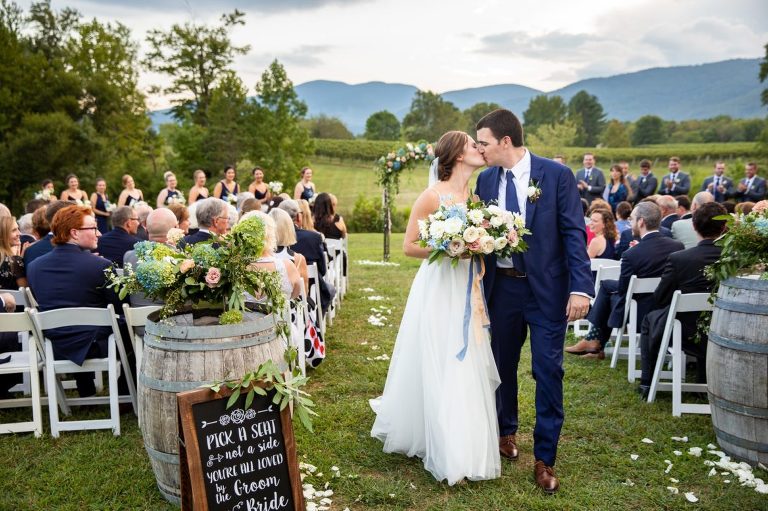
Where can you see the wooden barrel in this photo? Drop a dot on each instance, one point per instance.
(179, 356)
(737, 369)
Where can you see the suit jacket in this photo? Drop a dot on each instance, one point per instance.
(755, 193)
(683, 231)
(646, 259)
(37, 249)
(310, 244)
(556, 262)
(191, 239)
(624, 238)
(596, 184)
(142, 233)
(725, 182)
(668, 220)
(115, 244)
(681, 186)
(71, 277)
(644, 186)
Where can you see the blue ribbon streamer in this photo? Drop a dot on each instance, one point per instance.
(467, 310)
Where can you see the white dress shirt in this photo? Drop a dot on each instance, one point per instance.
(522, 173)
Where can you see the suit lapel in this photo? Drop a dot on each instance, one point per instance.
(537, 176)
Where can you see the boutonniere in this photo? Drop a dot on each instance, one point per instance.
(677, 180)
(534, 192)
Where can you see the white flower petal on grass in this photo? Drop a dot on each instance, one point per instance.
(720, 454)
(382, 357)
(628, 482)
(673, 480)
(673, 490)
(647, 441)
(413, 486)
(712, 472)
(726, 481)
(677, 453)
(709, 463)
(669, 468)
(690, 497)
(762, 488)
(634, 457)
(367, 290)
(680, 438)
(711, 446)
(375, 298)
(365, 262)
(762, 466)
(374, 348)
(392, 495)
(695, 451)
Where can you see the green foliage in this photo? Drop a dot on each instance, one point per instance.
(744, 246)
(556, 136)
(544, 110)
(355, 150)
(225, 140)
(615, 135)
(648, 130)
(476, 112)
(367, 216)
(763, 76)
(430, 116)
(587, 113)
(382, 125)
(323, 126)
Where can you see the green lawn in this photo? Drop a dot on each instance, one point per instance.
(605, 422)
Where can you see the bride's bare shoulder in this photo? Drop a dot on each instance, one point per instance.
(429, 199)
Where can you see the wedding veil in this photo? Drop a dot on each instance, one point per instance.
(433, 172)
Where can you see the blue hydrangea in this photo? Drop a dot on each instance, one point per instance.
(144, 249)
(154, 275)
(761, 224)
(455, 211)
(205, 255)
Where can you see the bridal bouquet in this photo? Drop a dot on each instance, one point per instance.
(474, 228)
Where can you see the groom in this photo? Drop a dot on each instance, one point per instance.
(540, 290)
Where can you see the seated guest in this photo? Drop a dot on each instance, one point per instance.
(683, 230)
(43, 245)
(623, 210)
(182, 216)
(71, 276)
(730, 207)
(12, 272)
(241, 198)
(286, 236)
(249, 205)
(9, 342)
(4, 211)
(668, 205)
(646, 259)
(40, 224)
(683, 207)
(143, 210)
(743, 208)
(212, 219)
(307, 223)
(159, 222)
(327, 222)
(603, 243)
(27, 233)
(114, 244)
(684, 271)
(36, 204)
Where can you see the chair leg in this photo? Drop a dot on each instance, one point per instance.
(616, 346)
(632, 355)
(34, 383)
(52, 390)
(114, 409)
(677, 369)
(658, 369)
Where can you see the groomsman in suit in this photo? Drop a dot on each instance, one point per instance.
(645, 184)
(590, 180)
(752, 187)
(676, 182)
(684, 271)
(114, 244)
(212, 219)
(537, 291)
(720, 186)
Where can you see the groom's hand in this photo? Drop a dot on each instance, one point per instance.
(577, 308)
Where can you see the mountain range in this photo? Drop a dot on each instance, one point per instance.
(729, 87)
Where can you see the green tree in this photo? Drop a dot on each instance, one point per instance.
(323, 126)
(587, 113)
(615, 135)
(476, 112)
(431, 116)
(649, 129)
(195, 56)
(225, 140)
(554, 137)
(382, 125)
(544, 110)
(764, 75)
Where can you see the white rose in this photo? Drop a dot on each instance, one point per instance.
(481, 232)
(495, 210)
(456, 247)
(487, 244)
(475, 216)
(471, 234)
(439, 215)
(496, 221)
(423, 229)
(531, 191)
(453, 226)
(500, 243)
(437, 229)
(431, 218)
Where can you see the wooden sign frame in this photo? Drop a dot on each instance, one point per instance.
(193, 492)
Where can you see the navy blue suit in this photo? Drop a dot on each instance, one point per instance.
(114, 244)
(556, 265)
(310, 244)
(191, 239)
(37, 249)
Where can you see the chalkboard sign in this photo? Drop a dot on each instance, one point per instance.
(236, 459)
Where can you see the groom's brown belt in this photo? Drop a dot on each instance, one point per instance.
(510, 272)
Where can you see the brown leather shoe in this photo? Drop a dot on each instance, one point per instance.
(508, 447)
(545, 477)
(583, 346)
(600, 355)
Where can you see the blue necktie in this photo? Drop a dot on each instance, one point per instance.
(514, 206)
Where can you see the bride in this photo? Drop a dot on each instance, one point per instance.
(434, 405)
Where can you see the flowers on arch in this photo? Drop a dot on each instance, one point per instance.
(390, 165)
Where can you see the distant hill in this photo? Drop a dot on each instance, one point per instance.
(729, 87)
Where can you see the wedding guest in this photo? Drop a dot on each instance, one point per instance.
(43, 245)
(307, 222)
(227, 189)
(646, 183)
(743, 208)
(275, 202)
(290, 280)
(729, 206)
(198, 190)
(618, 190)
(628, 177)
(604, 240)
(27, 231)
(683, 207)
(623, 210)
(590, 179)
(684, 271)
(559, 158)
(143, 210)
(122, 238)
(12, 269)
(718, 184)
(212, 219)
(646, 259)
(100, 205)
(73, 193)
(232, 216)
(40, 224)
(36, 204)
(677, 182)
(683, 230)
(258, 187)
(241, 198)
(9, 342)
(304, 189)
(286, 236)
(71, 276)
(752, 188)
(170, 193)
(192, 210)
(130, 194)
(668, 205)
(327, 222)
(182, 216)
(250, 204)
(4, 211)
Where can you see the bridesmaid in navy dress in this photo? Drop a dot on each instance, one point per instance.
(258, 187)
(130, 194)
(618, 190)
(100, 205)
(73, 193)
(169, 194)
(305, 189)
(227, 187)
(198, 191)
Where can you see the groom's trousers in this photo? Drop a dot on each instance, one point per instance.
(513, 310)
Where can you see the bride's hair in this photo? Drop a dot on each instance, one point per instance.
(448, 149)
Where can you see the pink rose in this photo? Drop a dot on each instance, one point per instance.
(486, 224)
(213, 277)
(186, 265)
(474, 246)
(512, 237)
(760, 207)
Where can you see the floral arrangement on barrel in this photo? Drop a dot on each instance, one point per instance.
(745, 245)
(213, 274)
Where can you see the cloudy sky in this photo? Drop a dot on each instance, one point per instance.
(444, 45)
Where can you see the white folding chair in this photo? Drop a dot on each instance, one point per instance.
(630, 325)
(136, 317)
(297, 317)
(84, 316)
(601, 267)
(336, 248)
(31, 302)
(330, 280)
(689, 302)
(19, 295)
(345, 279)
(313, 294)
(26, 362)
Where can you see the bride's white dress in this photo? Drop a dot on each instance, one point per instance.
(434, 405)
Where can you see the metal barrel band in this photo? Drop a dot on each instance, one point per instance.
(170, 386)
(740, 442)
(746, 308)
(730, 406)
(164, 457)
(737, 345)
(194, 346)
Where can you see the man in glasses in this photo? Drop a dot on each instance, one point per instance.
(212, 218)
(114, 244)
